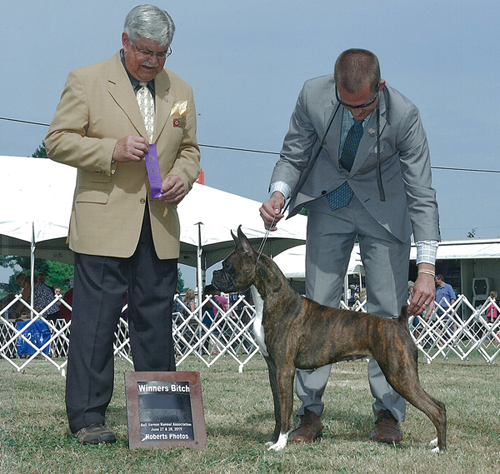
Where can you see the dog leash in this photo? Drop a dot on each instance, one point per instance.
(264, 240)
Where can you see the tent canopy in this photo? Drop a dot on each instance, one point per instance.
(293, 262)
(37, 195)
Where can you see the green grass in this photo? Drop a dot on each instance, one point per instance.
(34, 437)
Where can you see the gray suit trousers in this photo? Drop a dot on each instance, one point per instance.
(330, 240)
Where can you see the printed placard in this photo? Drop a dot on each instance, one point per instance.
(164, 410)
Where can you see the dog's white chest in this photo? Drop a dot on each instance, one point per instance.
(257, 324)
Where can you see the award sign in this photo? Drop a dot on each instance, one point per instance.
(153, 169)
(164, 410)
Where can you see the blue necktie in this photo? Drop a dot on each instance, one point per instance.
(341, 196)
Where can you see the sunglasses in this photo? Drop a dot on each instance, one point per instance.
(361, 106)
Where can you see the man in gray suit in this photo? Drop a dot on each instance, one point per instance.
(356, 157)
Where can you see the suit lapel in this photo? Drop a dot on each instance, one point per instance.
(163, 102)
(368, 142)
(333, 137)
(121, 90)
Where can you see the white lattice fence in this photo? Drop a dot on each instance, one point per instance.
(444, 334)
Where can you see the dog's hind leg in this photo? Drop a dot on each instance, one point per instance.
(436, 412)
(406, 383)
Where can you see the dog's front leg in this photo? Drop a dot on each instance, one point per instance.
(276, 400)
(284, 378)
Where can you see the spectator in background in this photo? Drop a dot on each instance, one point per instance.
(68, 298)
(41, 278)
(178, 309)
(189, 302)
(221, 303)
(24, 282)
(208, 306)
(42, 297)
(4, 302)
(445, 297)
(492, 312)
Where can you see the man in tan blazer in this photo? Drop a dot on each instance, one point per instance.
(126, 244)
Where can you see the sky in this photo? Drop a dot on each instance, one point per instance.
(247, 61)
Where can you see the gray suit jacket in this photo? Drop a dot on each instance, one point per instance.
(410, 201)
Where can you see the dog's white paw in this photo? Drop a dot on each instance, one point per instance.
(434, 442)
(280, 444)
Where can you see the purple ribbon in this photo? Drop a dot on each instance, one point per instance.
(153, 169)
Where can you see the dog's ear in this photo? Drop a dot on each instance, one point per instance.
(236, 241)
(243, 243)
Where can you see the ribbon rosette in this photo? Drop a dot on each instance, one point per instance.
(179, 110)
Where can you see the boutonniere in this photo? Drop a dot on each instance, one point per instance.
(179, 112)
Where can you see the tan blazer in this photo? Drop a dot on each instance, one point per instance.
(97, 108)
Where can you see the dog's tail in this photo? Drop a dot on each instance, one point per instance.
(403, 316)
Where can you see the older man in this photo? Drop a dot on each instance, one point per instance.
(356, 157)
(126, 242)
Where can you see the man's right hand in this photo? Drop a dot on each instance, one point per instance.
(130, 148)
(272, 210)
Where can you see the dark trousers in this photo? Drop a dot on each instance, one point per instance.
(102, 284)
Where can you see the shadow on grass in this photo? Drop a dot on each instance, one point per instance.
(259, 427)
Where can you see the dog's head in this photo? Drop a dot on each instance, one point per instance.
(238, 269)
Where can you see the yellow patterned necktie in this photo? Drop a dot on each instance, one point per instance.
(147, 106)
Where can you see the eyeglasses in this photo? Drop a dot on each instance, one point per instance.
(362, 106)
(147, 53)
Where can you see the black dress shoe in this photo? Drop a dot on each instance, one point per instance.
(386, 428)
(95, 434)
(309, 429)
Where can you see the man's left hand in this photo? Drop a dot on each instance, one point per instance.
(173, 190)
(422, 295)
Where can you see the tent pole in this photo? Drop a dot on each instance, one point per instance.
(32, 276)
(199, 280)
(346, 288)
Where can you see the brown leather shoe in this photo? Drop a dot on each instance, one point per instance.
(95, 434)
(308, 430)
(386, 428)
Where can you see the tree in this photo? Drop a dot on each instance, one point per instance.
(472, 233)
(41, 151)
(56, 273)
(180, 282)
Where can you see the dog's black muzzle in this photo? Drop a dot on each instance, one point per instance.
(222, 281)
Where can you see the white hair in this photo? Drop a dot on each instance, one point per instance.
(150, 22)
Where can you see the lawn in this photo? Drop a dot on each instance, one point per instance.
(34, 437)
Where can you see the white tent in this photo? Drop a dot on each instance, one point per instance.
(208, 216)
(464, 249)
(292, 262)
(36, 196)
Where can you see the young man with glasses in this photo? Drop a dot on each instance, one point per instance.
(126, 242)
(356, 158)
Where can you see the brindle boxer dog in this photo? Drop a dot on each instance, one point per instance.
(294, 332)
